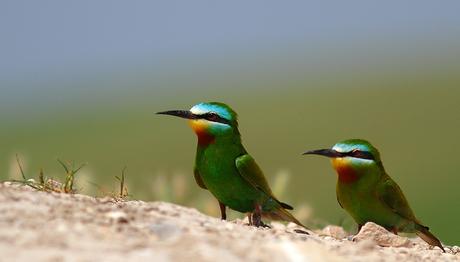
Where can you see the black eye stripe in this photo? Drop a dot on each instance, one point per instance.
(361, 154)
(213, 117)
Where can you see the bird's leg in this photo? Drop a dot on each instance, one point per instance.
(394, 230)
(250, 219)
(223, 213)
(257, 217)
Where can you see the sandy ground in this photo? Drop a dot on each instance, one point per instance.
(39, 226)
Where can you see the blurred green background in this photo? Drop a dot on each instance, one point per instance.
(81, 82)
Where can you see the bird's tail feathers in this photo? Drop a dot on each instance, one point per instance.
(427, 236)
(282, 214)
(285, 206)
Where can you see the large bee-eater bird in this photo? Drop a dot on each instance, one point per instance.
(224, 167)
(368, 193)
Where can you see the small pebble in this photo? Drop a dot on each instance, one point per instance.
(117, 217)
(166, 231)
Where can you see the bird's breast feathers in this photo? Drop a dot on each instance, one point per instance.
(345, 170)
(201, 129)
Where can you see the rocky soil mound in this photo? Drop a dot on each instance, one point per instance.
(40, 226)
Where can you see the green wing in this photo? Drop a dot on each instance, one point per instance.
(390, 193)
(198, 179)
(251, 172)
(337, 195)
(338, 200)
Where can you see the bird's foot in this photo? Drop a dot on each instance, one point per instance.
(256, 218)
(262, 224)
(257, 221)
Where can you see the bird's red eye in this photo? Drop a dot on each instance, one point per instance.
(355, 152)
(361, 154)
(212, 117)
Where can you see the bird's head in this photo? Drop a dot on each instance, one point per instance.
(351, 158)
(209, 119)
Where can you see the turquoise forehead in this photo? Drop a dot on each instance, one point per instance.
(349, 145)
(221, 109)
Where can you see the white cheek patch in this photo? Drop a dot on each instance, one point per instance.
(219, 125)
(361, 161)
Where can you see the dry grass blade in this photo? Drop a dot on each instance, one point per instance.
(41, 177)
(20, 167)
(70, 174)
(49, 184)
(123, 189)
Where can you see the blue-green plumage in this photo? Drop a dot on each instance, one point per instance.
(223, 166)
(368, 193)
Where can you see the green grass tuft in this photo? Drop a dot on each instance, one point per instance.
(49, 184)
(123, 189)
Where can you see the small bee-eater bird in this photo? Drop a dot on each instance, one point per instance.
(223, 166)
(368, 193)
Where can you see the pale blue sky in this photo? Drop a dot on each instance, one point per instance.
(47, 38)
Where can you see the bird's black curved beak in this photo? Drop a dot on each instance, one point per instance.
(179, 113)
(324, 152)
